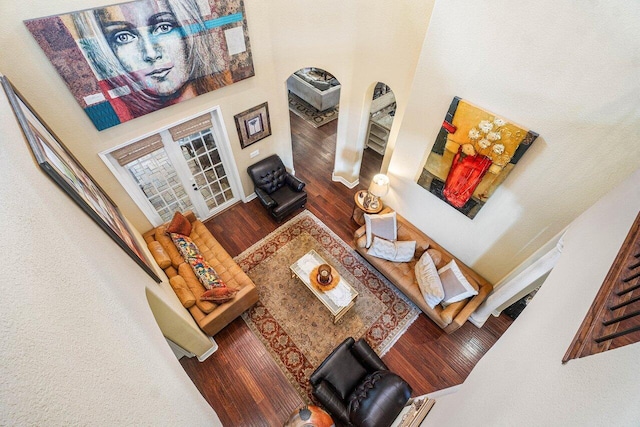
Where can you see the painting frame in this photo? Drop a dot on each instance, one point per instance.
(56, 161)
(474, 152)
(253, 125)
(203, 46)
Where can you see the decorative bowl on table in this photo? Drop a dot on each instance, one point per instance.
(324, 277)
(324, 274)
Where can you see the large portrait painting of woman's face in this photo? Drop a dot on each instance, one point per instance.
(130, 59)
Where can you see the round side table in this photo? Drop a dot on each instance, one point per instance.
(309, 416)
(359, 210)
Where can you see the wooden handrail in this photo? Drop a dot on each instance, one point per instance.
(599, 331)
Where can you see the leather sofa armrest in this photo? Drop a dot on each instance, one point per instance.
(469, 308)
(331, 401)
(451, 311)
(360, 232)
(473, 304)
(293, 182)
(265, 199)
(365, 354)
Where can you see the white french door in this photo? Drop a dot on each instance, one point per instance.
(199, 162)
(188, 166)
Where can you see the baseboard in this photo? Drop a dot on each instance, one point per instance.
(343, 181)
(478, 323)
(443, 392)
(178, 351)
(438, 393)
(209, 352)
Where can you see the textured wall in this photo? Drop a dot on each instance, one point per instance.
(80, 344)
(521, 380)
(281, 44)
(360, 41)
(569, 73)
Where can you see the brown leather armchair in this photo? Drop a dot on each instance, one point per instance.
(279, 192)
(357, 388)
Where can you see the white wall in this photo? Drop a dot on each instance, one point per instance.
(568, 71)
(284, 38)
(360, 41)
(521, 380)
(80, 345)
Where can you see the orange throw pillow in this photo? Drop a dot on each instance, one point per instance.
(179, 224)
(219, 295)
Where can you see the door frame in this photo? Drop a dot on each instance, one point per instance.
(221, 136)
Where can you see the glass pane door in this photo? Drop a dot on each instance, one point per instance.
(157, 178)
(210, 179)
(195, 171)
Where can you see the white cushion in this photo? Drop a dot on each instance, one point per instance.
(392, 251)
(381, 225)
(429, 281)
(456, 286)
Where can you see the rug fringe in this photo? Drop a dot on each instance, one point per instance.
(388, 346)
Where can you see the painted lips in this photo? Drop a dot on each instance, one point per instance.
(160, 73)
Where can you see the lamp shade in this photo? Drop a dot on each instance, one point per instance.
(379, 185)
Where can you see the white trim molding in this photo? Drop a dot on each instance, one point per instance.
(206, 354)
(517, 282)
(341, 180)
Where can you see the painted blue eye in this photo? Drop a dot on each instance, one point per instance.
(163, 28)
(123, 37)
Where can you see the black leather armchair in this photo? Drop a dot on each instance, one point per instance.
(279, 192)
(357, 388)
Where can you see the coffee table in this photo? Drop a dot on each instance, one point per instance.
(337, 300)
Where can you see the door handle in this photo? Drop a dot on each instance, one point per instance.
(195, 186)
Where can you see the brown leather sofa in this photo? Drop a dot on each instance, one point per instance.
(402, 275)
(210, 317)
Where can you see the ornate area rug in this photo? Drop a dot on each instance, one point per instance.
(293, 325)
(312, 116)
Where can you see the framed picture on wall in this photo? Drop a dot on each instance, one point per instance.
(125, 60)
(253, 125)
(473, 154)
(65, 170)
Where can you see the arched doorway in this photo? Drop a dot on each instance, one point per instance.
(314, 96)
(381, 116)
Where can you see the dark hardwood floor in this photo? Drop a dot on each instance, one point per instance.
(241, 381)
(371, 164)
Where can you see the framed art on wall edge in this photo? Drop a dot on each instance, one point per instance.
(253, 125)
(65, 170)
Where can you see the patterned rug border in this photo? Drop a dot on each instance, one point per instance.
(272, 245)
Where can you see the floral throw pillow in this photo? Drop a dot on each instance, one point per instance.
(205, 273)
(185, 246)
